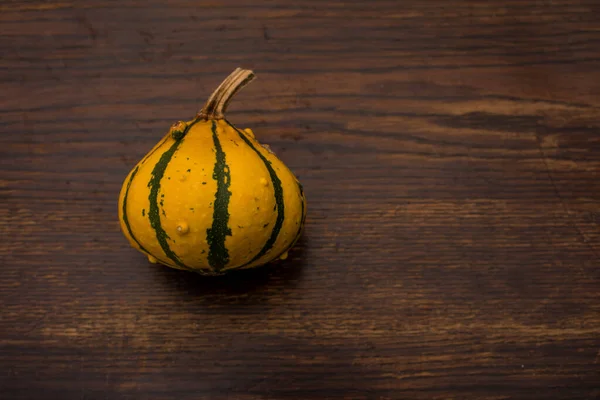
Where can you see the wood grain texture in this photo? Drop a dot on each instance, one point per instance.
(449, 151)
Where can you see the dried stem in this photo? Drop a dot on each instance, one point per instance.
(217, 102)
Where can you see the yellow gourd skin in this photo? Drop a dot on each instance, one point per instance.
(210, 198)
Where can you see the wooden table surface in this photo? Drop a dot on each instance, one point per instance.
(450, 154)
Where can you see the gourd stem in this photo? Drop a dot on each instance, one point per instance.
(219, 100)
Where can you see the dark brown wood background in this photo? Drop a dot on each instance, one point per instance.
(450, 153)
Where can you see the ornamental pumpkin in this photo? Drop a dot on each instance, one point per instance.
(209, 197)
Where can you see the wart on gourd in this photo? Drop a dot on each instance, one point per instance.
(239, 176)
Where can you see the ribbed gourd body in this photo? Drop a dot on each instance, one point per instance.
(211, 199)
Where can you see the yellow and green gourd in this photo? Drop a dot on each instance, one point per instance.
(209, 197)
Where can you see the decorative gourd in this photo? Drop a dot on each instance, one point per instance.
(209, 197)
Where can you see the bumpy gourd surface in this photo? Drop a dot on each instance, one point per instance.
(212, 201)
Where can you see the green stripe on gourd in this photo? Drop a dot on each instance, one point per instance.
(125, 218)
(278, 190)
(154, 212)
(302, 217)
(218, 255)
